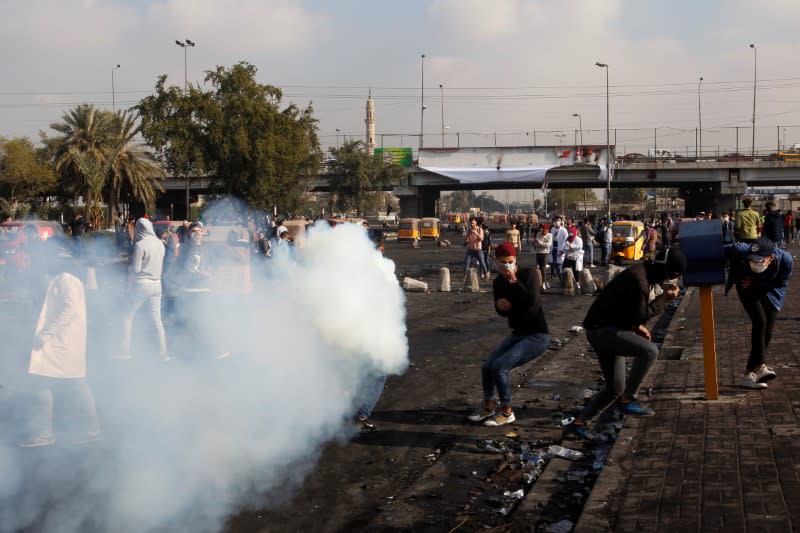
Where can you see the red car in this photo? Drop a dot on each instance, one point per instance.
(14, 235)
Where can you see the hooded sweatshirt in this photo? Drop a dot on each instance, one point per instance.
(148, 253)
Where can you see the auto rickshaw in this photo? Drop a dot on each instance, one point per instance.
(430, 228)
(627, 240)
(409, 229)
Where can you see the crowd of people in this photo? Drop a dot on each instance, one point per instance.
(616, 323)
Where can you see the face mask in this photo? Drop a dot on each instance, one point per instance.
(511, 267)
(758, 268)
(558, 224)
(724, 219)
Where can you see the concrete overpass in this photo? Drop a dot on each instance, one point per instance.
(701, 183)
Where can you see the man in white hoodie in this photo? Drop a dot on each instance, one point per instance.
(146, 263)
(58, 357)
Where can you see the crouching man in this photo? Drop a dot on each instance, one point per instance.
(517, 296)
(615, 327)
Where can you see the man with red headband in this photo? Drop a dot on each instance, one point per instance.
(516, 297)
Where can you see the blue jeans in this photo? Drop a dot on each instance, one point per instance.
(588, 253)
(605, 252)
(478, 255)
(369, 395)
(512, 352)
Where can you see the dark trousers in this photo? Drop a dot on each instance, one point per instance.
(613, 346)
(762, 315)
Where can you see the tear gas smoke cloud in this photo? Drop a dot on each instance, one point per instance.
(189, 442)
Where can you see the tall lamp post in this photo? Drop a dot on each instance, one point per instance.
(699, 121)
(422, 102)
(441, 91)
(755, 79)
(608, 144)
(113, 91)
(580, 125)
(337, 138)
(186, 45)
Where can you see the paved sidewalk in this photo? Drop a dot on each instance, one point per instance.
(726, 465)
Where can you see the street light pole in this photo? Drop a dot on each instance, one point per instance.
(113, 91)
(441, 90)
(185, 45)
(580, 125)
(699, 121)
(755, 79)
(608, 144)
(422, 102)
(337, 138)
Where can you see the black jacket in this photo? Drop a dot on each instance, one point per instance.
(773, 226)
(623, 304)
(526, 316)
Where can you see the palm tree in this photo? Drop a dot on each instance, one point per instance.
(104, 137)
(134, 173)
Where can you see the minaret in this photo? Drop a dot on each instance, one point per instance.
(370, 122)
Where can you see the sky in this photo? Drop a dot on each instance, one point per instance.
(510, 67)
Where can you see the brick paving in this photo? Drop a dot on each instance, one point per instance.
(726, 465)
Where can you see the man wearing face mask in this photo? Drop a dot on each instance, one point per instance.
(517, 297)
(615, 327)
(760, 271)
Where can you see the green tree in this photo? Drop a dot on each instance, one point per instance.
(25, 175)
(174, 124)
(103, 137)
(358, 178)
(627, 195)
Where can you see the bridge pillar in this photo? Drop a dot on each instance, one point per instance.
(417, 202)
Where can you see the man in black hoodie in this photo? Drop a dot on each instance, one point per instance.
(516, 297)
(773, 224)
(615, 327)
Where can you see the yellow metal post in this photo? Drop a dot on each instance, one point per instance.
(709, 342)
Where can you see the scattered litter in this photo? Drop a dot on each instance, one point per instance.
(492, 446)
(601, 456)
(516, 495)
(512, 435)
(565, 453)
(576, 329)
(556, 396)
(564, 526)
(567, 421)
(587, 393)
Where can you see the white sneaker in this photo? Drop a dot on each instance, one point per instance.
(750, 381)
(481, 415)
(764, 374)
(501, 419)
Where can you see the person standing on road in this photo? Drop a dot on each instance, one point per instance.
(747, 222)
(788, 224)
(147, 264)
(587, 236)
(486, 247)
(560, 235)
(773, 224)
(727, 229)
(58, 356)
(513, 236)
(542, 247)
(760, 271)
(474, 243)
(516, 297)
(615, 327)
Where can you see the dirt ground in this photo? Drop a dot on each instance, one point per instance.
(421, 469)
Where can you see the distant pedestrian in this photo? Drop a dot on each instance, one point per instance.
(587, 236)
(760, 271)
(727, 229)
(542, 247)
(773, 224)
(788, 224)
(615, 328)
(513, 236)
(747, 222)
(516, 297)
(560, 234)
(474, 244)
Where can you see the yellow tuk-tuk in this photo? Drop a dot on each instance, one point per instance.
(430, 228)
(627, 241)
(409, 229)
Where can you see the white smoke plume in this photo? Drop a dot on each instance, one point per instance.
(189, 442)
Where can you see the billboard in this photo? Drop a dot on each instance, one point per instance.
(396, 156)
